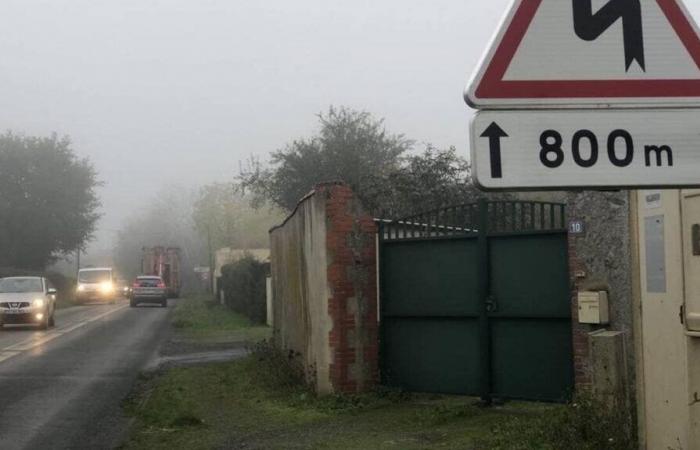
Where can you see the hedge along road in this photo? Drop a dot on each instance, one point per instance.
(62, 388)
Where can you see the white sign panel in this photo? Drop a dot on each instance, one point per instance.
(586, 149)
(586, 53)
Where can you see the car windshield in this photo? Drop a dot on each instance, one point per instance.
(94, 276)
(17, 285)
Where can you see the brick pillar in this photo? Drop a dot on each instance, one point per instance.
(582, 373)
(352, 305)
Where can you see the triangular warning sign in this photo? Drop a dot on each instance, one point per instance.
(584, 53)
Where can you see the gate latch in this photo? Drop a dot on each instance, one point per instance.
(491, 304)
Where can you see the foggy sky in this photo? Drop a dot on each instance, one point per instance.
(162, 91)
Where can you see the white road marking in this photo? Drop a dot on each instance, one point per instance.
(35, 341)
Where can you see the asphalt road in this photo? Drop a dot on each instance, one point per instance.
(62, 388)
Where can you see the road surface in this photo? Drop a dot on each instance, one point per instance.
(62, 388)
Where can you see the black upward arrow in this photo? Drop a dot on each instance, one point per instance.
(589, 26)
(494, 133)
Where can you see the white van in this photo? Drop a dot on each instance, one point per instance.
(96, 284)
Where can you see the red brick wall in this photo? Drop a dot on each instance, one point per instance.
(352, 271)
(582, 377)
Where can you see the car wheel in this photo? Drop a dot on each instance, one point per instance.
(132, 303)
(52, 321)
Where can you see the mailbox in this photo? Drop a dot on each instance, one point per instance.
(593, 307)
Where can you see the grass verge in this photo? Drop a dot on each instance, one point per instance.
(204, 321)
(231, 406)
(259, 403)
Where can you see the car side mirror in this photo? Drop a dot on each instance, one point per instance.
(52, 291)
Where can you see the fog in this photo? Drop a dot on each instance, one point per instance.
(173, 91)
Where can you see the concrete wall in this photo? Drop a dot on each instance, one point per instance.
(601, 259)
(323, 266)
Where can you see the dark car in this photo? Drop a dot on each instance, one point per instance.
(148, 289)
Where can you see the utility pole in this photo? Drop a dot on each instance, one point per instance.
(77, 262)
(211, 261)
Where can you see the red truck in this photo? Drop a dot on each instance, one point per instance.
(165, 263)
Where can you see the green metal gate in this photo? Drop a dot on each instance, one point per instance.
(475, 300)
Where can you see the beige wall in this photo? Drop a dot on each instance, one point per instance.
(300, 289)
(671, 355)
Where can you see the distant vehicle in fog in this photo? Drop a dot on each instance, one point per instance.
(123, 288)
(148, 289)
(96, 284)
(164, 263)
(27, 300)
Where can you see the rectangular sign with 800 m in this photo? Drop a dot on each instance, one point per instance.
(586, 149)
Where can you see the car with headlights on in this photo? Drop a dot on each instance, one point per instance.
(27, 300)
(96, 284)
(148, 289)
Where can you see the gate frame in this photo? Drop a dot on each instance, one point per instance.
(481, 227)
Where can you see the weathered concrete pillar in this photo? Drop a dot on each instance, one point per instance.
(609, 375)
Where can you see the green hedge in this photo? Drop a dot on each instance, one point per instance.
(243, 283)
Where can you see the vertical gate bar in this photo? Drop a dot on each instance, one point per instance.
(551, 217)
(502, 216)
(468, 218)
(542, 216)
(563, 216)
(485, 387)
(429, 224)
(453, 220)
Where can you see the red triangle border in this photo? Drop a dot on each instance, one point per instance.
(492, 85)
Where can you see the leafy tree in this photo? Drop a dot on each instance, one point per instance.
(351, 146)
(354, 147)
(48, 203)
(224, 216)
(433, 179)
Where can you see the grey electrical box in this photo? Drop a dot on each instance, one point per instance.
(655, 246)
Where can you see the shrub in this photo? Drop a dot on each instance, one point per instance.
(65, 286)
(243, 283)
(278, 369)
(587, 423)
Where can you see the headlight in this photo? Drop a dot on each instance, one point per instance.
(106, 288)
(81, 287)
(38, 303)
